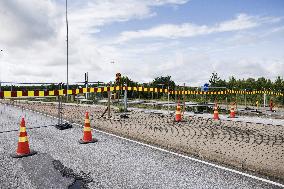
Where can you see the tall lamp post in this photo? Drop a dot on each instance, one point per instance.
(67, 83)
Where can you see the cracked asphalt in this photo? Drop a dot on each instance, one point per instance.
(110, 163)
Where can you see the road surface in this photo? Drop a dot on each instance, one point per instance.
(110, 163)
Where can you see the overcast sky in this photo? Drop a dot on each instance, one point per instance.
(186, 39)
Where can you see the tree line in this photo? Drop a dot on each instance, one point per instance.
(215, 84)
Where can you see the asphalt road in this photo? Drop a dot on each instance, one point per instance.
(110, 163)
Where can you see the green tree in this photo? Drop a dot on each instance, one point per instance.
(216, 81)
(232, 82)
(127, 81)
(278, 84)
(163, 81)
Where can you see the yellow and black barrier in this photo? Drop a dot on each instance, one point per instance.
(43, 93)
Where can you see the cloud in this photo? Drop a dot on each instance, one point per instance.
(93, 14)
(33, 37)
(171, 31)
(251, 67)
(22, 24)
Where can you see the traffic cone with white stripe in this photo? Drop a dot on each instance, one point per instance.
(23, 143)
(178, 113)
(87, 137)
(216, 113)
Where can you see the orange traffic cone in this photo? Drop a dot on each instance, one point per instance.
(216, 114)
(232, 112)
(178, 114)
(87, 137)
(23, 143)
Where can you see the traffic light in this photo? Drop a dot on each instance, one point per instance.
(86, 78)
(117, 77)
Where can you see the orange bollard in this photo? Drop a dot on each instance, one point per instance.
(87, 137)
(216, 114)
(178, 113)
(23, 149)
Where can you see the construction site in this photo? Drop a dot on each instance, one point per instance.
(78, 141)
(141, 94)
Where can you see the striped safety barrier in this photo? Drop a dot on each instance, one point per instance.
(43, 93)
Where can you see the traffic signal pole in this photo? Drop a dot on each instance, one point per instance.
(125, 99)
(117, 80)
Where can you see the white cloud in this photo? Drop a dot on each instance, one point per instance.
(22, 24)
(33, 38)
(97, 13)
(241, 22)
(251, 67)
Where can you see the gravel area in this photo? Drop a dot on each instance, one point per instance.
(117, 163)
(242, 118)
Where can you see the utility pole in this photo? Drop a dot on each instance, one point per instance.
(67, 52)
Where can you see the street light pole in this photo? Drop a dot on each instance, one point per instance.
(67, 51)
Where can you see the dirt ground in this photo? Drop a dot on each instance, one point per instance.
(245, 145)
